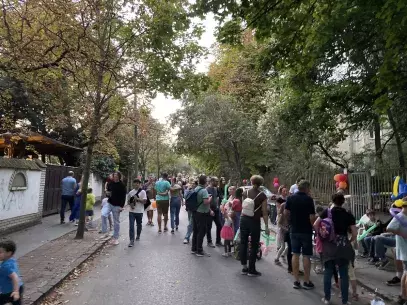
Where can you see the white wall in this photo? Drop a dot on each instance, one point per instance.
(96, 183)
(19, 203)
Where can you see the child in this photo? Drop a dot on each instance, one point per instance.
(11, 286)
(105, 210)
(90, 202)
(398, 226)
(318, 244)
(227, 232)
(282, 228)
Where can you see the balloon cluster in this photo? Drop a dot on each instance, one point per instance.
(276, 183)
(399, 191)
(341, 181)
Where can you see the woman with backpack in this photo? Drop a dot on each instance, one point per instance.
(333, 227)
(254, 208)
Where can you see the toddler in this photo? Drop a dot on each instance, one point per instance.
(11, 286)
(227, 232)
(105, 209)
(90, 202)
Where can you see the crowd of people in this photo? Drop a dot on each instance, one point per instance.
(237, 212)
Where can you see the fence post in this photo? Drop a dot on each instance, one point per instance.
(369, 190)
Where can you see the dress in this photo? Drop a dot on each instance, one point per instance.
(227, 232)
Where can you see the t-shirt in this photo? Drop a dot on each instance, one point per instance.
(294, 189)
(139, 207)
(68, 186)
(105, 201)
(90, 202)
(215, 197)
(117, 193)
(401, 243)
(201, 196)
(162, 186)
(236, 205)
(258, 201)
(7, 268)
(301, 206)
(342, 220)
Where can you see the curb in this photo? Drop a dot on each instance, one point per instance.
(80, 261)
(365, 286)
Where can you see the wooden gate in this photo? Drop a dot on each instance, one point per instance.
(52, 190)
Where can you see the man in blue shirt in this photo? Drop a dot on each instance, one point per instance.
(162, 188)
(68, 185)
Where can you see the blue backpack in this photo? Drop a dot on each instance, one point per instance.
(191, 200)
(326, 229)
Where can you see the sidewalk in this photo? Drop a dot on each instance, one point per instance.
(370, 278)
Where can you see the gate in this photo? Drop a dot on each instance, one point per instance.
(52, 189)
(360, 193)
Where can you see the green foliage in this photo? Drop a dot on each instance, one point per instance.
(103, 166)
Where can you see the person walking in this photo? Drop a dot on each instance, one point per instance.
(300, 211)
(201, 217)
(237, 208)
(340, 251)
(136, 199)
(254, 208)
(162, 188)
(68, 186)
(214, 192)
(74, 217)
(190, 188)
(175, 206)
(149, 187)
(117, 198)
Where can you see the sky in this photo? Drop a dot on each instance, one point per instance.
(165, 106)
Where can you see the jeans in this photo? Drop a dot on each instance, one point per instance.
(216, 219)
(343, 266)
(249, 227)
(116, 219)
(190, 226)
(66, 200)
(200, 223)
(175, 208)
(368, 244)
(236, 221)
(287, 239)
(138, 218)
(382, 241)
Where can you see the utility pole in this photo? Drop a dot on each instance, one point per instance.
(158, 159)
(136, 146)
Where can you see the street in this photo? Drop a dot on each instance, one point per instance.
(161, 270)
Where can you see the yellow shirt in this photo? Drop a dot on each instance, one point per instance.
(90, 202)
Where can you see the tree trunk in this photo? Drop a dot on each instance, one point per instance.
(86, 173)
(136, 144)
(378, 141)
(399, 146)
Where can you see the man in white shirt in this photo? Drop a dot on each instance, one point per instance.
(294, 187)
(136, 199)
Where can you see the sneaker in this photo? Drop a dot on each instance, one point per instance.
(308, 286)
(62, 222)
(115, 242)
(297, 285)
(325, 301)
(201, 254)
(172, 231)
(193, 252)
(159, 231)
(138, 238)
(383, 264)
(373, 261)
(219, 244)
(152, 224)
(176, 228)
(254, 273)
(211, 245)
(186, 241)
(364, 255)
(225, 254)
(395, 281)
(165, 229)
(131, 244)
(245, 271)
(277, 261)
(76, 224)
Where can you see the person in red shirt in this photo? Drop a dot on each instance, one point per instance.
(237, 208)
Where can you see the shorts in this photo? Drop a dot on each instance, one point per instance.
(301, 243)
(89, 213)
(163, 206)
(351, 272)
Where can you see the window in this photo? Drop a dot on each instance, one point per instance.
(18, 182)
(371, 133)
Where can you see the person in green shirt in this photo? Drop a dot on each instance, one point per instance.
(163, 201)
(90, 202)
(201, 217)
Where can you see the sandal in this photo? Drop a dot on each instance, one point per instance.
(355, 297)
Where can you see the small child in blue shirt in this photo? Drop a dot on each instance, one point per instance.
(11, 286)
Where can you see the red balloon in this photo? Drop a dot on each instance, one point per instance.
(343, 178)
(336, 177)
(343, 185)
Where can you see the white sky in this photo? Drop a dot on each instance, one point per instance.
(165, 106)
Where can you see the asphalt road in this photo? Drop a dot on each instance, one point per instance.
(161, 270)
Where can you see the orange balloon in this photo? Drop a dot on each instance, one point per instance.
(154, 204)
(337, 178)
(343, 185)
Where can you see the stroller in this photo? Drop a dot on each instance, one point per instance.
(236, 245)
